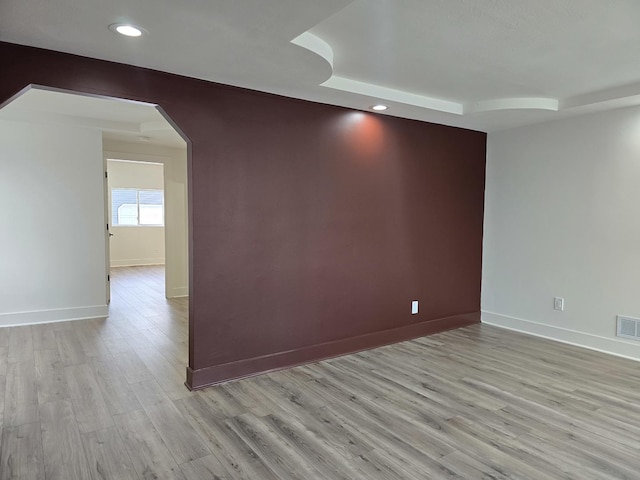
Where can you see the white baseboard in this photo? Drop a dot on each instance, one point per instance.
(137, 262)
(177, 292)
(613, 346)
(52, 316)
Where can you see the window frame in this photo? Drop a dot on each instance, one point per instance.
(138, 224)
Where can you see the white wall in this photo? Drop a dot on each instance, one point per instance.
(175, 194)
(136, 245)
(52, 234)
(562, 218)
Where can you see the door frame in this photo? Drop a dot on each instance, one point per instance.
(173, 216)
(107, 219)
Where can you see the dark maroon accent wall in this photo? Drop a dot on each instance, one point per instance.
(312, 227)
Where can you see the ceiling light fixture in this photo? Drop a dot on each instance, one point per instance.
(379, 108)
(126, 29)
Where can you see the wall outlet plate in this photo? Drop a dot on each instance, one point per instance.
(414, 307)
(558, 303)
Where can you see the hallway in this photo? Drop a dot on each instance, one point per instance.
(145, 318)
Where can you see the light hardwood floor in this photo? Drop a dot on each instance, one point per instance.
(104, 399)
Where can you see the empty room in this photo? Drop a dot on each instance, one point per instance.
(348, 239)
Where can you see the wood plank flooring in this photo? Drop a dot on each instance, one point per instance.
(104, 399)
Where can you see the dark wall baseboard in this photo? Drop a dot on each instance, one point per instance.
(206, 377)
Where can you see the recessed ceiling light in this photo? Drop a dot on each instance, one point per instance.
(379, 108)
(126, 29)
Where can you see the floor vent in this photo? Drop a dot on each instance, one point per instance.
(629, 327)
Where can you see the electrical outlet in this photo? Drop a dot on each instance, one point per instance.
(558, 303)
(414, 307)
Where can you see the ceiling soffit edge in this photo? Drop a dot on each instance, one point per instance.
(323, 49)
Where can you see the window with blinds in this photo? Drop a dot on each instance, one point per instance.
(137, 207)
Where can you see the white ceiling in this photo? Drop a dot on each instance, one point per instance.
(117, 119)
(481, 64)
